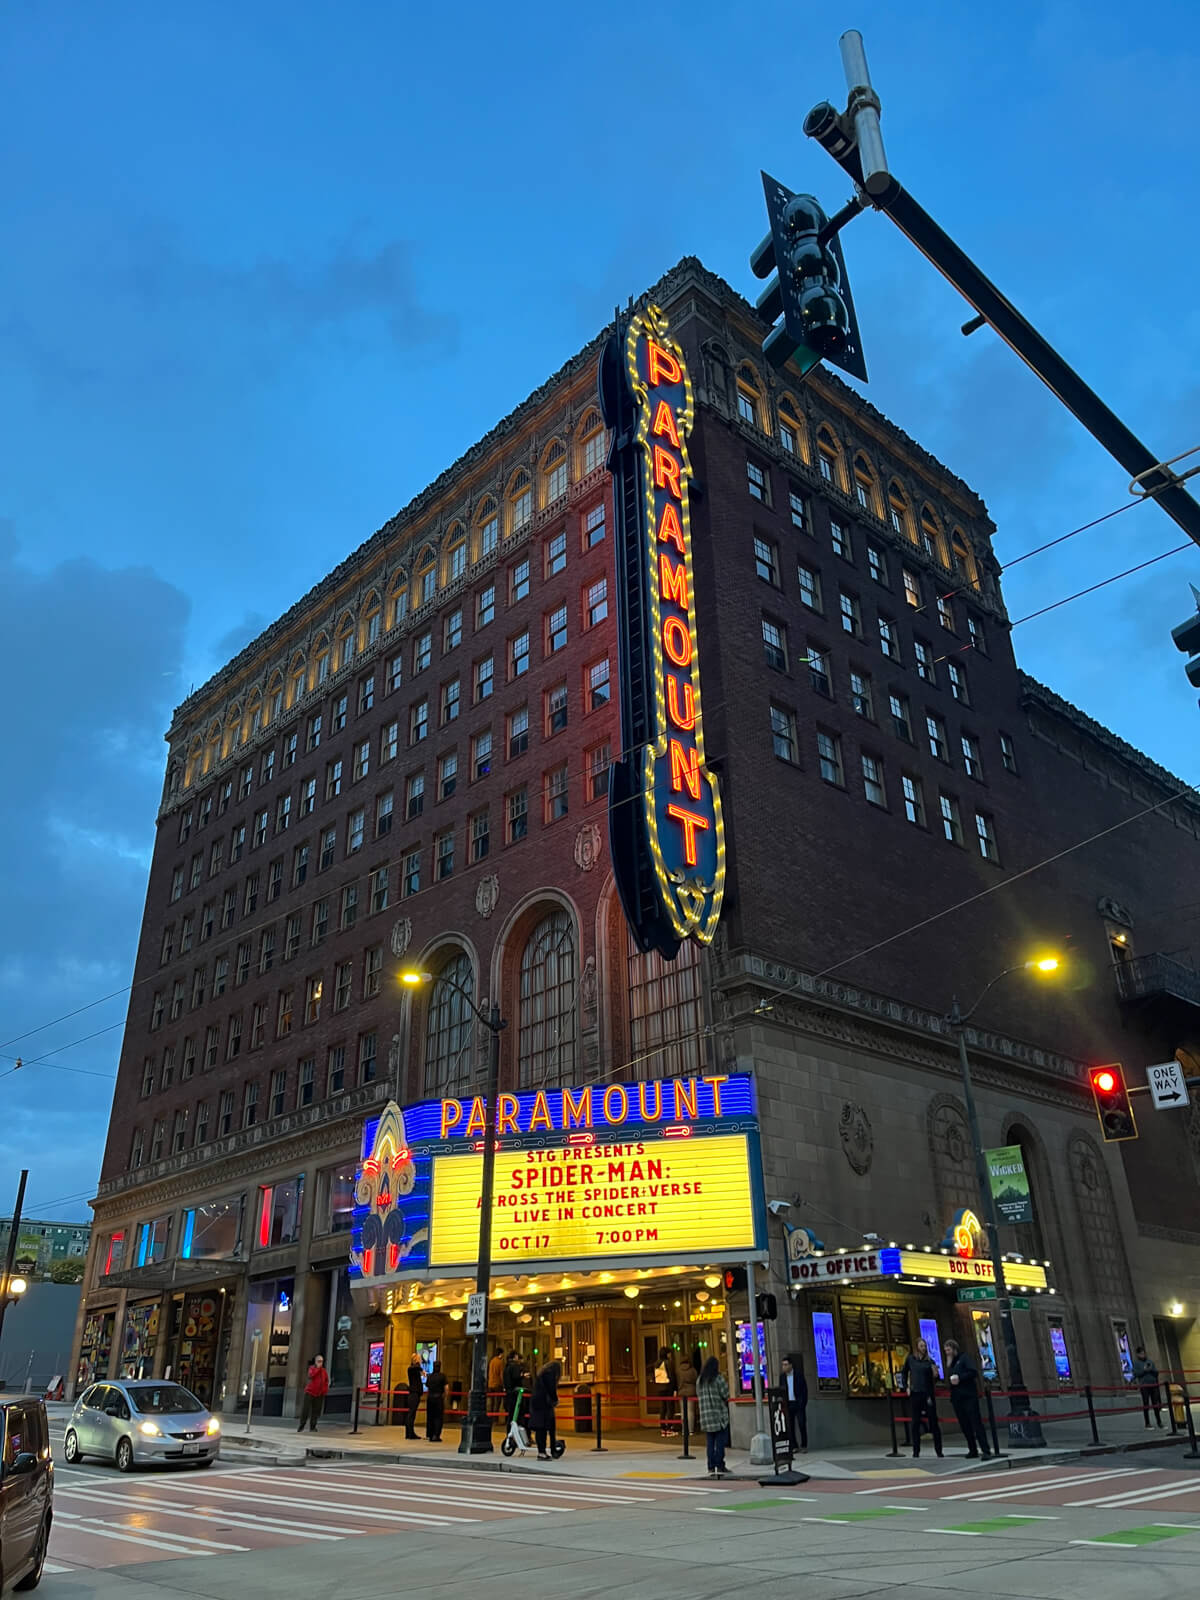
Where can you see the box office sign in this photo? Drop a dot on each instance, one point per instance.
(666, 1171)
(912, 1264)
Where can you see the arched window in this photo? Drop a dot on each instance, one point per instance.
(749, 396)
(372, 623)
(962, 559)
(426, 582)
(791, 428)
(448, 1025)
(898, 510)
(664, 1012)
(520, 501)
(274, 698)
(932, 541)
(212, 746)
(347, 642)
(554, 472)
(233, 729)
(254, 715)
(829, 456)
(397, 599)
(321, 661)
(487, 527)
(297, 672)
(546, 1037)
(456, 552)
(195, 761)
(592, 440)
(864, 484)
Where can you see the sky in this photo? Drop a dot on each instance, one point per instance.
(266, 270)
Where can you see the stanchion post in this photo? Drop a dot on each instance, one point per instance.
(1192, 1454)
(683, 1407)
(992, 1422)
(895, 1450)
(598, 1408)
(1091, 1405)
(357, 1393)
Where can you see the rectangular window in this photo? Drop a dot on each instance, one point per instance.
(444, 855)
(383, 814)
(518, 582)
(212, 1043)
(774, 637)
(250, 898)
(746, 408)
(197, 871)
(283, 1014)
(198, 984)
(291, 748)
(901, 721)
(308, 796)
(412, 873)
(177, 996)
(783, 733)
(261, 823)
(861, 697)
(518, 732)
(224, 1120)
(292, 929)
(819, 674)
(985, 834)
(201, 1135)
(233, 1039)
(597, 763)
(452, 631)
(556, 786)
(914, 800)
(787, 438)
(188, 1065)
(147, 1077)
(336, 1069)
(395, 675)
(368, 1053)
(343, 984)
(333, 779)
(829, 756)
(372, 971)
(489, 536)
(422, 652)
(556, 554)
(599, 686)
(246, 780)
(362, 760)
(176, 884)
(328, 848)
(518, 655)
(258, 1025)
(596, 602)
(951, 821)
(766, 561)
(205, 811)
(957, 680)
(224, 796)
(593, 526)
(229, 908)
(216, 857)
(313, 739)
(945, 613)
(517, 815)
(485, 678)
(207, 912)
(366, 693)
(935, 730)
(447, 775)
(356, 827)
(414, 803)
(872, 774)
(556, 629)
(850, 614)
(799, 510)
(924, 660)
(480, 836)
(810, 587)
(349, 911)
(756, 482)
(451, 693)
(840, 538)
(888, 641)
(313, 989)
(481, 755)
(380, 881)
(877, 564)
(389, 743)
(418, 722)
(556, 709)
(266, 951)
(304, 1082)
(283, 813)
(976, 634)
(299, 865)
(185, 824)
(220, 976)
(972, 761)
(237, 843)
(320, 921)
(1008, 753)
(338, 714)
(485, 606)
(912, 589)
(275, 879)
(242, 972)
(186, 934)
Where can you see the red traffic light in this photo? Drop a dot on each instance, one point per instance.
(1103, 1080)
(1114, 1108)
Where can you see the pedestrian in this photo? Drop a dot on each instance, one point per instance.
(495, 1380)
(315, 1390)
(435, 1404)
(713, 1393)
(1145, 1375)
(920, 1377)
(541, 1410)
(664, 1385)
(416, 1385)
(963, 1377)
(514, 1379)
(687, 1377)
(795, 1393)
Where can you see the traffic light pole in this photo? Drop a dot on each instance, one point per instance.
(837, 135)
(11, 1253)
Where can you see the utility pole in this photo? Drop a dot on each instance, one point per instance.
(11, 1253)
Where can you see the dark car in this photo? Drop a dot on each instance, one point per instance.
(26, 1493)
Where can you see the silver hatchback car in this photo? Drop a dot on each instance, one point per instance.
(139, 1423)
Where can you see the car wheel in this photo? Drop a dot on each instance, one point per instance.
(71, 1450)
(34, 1577)
(125, 1455)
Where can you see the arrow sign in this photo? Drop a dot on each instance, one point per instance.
(1168, 1087)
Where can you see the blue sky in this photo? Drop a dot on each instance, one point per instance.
(266, 270)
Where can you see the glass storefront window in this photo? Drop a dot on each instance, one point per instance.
(269, 1315)
(279, 1207)
(335, 1189)
(152, 1241)
(113, 1254)
(213, 1231)
(877, 1342)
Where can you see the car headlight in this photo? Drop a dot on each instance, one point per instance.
(150, 1429)
(214, 1425)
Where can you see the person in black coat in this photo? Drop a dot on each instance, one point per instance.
(514, 1379)
(435, 1404)
(541, 1410)
(416, 1385)
(963, 1378)
(795, 1389)
(920, 1376)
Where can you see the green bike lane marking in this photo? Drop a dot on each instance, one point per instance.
(871, 1515)
(972, 1530)
(1132, 1538)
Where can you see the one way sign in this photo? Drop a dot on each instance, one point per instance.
(1168, 1087)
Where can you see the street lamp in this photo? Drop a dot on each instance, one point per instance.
(477, 1428)
(958, 1019)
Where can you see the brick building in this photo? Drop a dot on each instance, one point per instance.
(410, 767)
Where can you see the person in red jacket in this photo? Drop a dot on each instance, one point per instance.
(315, 1391)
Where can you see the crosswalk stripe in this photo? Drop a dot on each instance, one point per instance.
(440, 1499)
(510, 1479)
(381, 1512)
(504, 1488)
(173, 1543)
(1009, 1475)
(1051, 1483)
(54, 1566)
(247, 1519)
(1138, 1496)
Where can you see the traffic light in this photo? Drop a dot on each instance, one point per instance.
(811, 291)
(1187, 639)
(735, 1280)
(1113, 1105)
(766, 1308)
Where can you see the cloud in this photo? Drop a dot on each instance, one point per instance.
(98, 653)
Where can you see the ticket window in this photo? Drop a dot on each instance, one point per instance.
(877, 1341)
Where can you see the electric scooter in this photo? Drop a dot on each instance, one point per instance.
(518, 1439)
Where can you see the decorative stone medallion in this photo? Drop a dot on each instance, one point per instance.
(587, 846)
(858, 1142)
(401, 936)
(487, 895)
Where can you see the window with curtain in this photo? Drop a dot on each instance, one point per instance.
(547, 1036)
(664, 1012)
(448, 1025)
